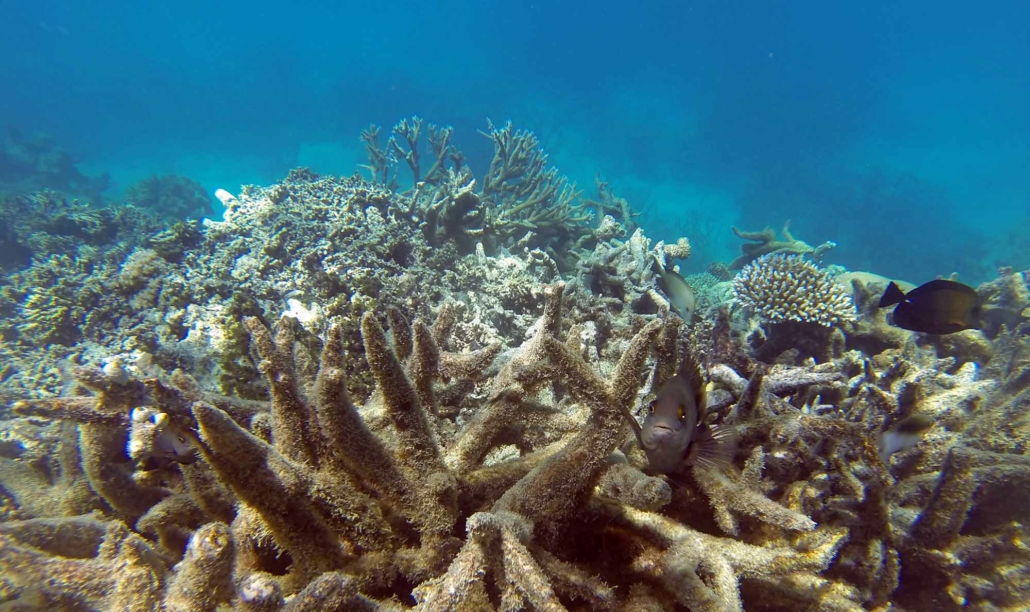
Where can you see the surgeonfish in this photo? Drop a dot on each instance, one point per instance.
(681, 296)
(938, 307)
(905, 434)
(675, 433)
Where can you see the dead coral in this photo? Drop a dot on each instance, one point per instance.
(765, 243)
(918, 532)
(965, 547)
(358, 501)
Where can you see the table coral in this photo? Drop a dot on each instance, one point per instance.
(765, 243)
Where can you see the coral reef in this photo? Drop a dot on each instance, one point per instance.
(347, 396)
(175, 296)
(36, 163)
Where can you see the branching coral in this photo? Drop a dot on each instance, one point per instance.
(359, 501)
(523, 194)
(797, 303)
(782, 288)
(608, 204)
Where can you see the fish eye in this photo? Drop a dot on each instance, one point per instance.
(682, 414)
(650, 408)
(182, 439)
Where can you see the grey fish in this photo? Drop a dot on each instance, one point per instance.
(905, 434)
(681, 296)
(675, 433)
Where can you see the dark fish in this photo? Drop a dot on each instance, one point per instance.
(904, 435)
(938, 307)
(681, 296)
(675, 433)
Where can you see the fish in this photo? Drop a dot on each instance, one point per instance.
(905, 434)
(675, 433)
(937, 307)
(681, 296)
(171, 443)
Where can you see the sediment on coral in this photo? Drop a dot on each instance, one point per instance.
(364, 499)
(350, 396)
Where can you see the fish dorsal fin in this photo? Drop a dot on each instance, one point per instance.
(691, 371)
(658, 263)
(942, 284)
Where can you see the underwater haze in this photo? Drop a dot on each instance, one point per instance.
(557, 306)
(897, 130)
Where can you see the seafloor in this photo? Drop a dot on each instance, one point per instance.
(415, 398)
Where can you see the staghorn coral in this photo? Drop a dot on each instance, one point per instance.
(608, 204)
(525, 196)
(363, 500)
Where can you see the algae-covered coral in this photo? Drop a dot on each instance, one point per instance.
(348, 397)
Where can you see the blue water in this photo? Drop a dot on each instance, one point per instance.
(898, 130)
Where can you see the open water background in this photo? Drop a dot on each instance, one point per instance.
(898, 129)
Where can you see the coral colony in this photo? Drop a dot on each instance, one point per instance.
(347, 395)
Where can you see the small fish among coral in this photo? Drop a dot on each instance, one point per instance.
(937, 307)
(681, 295)
(156, 441)
(905, 434)
(675, 433)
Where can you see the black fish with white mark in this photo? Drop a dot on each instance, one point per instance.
(937, 307)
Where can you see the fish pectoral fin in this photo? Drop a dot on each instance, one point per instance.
(713, 448)
(637, 431)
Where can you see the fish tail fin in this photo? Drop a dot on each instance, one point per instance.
(714, 447)
(893, 295)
